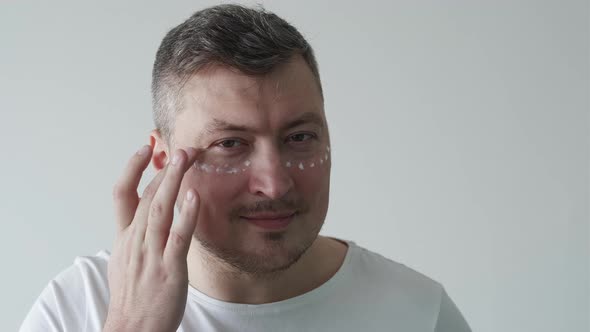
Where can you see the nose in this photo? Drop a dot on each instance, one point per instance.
(269, 177)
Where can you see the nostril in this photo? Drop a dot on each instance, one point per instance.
(274, 184)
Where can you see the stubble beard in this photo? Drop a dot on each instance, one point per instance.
(271, 261)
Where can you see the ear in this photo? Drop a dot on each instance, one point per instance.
(161, 150)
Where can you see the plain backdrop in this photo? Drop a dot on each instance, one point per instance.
(460, 140)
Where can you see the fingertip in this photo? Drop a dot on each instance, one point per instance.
(191, 153)
(143, 155)
(144, 150)
(190, 195)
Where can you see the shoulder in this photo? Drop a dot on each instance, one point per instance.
(391, 282)
(75, 298)
(86, 269)
(87, 276)
(396, 286)
(381, 269)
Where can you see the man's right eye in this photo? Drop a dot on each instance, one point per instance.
(229, 143)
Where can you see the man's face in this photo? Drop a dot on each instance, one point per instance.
(266, 153)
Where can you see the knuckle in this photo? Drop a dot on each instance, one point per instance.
(149, 191)
(155, 273)
(177, 240)
(156, 210)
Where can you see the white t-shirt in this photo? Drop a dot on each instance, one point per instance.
(368, 293)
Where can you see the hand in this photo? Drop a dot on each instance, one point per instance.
(147, 271)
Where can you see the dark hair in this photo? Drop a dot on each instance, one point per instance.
(254, 41)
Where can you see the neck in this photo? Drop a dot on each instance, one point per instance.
(213, 278)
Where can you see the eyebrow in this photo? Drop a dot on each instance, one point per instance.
(217, 125)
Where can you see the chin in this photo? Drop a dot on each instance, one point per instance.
(271, 254)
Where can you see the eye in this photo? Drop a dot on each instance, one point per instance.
(302, 137)
(229, 143)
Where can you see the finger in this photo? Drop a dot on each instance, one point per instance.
(181, 234)
(125, 190)
(143, 209)
(139, 223)
(161, 210)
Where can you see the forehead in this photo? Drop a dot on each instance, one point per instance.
(223, 93)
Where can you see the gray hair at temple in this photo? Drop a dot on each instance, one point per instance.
(254, 41)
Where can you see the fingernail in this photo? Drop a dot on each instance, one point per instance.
(175, 158)
(145, 149)
(190, 195)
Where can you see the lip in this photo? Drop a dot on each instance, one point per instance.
(271, 221)
(268, 216)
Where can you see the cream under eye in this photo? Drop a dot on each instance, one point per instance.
(308, 154)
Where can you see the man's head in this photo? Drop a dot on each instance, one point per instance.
(242, 86)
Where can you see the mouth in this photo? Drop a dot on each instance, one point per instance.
(271, 221)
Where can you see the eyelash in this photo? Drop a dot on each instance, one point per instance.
(220, 144)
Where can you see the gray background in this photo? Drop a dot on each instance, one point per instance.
(459, 128)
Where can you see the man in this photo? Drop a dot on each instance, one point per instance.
(242, 148)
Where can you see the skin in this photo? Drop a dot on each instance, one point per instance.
(210, 246)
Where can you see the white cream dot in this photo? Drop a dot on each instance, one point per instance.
(206, 168)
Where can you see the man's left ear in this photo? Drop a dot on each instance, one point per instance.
(161, 152)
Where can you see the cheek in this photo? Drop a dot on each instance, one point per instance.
(218, 195)
(214, 189)
(312, 184)
(312, 174)
(310, 178)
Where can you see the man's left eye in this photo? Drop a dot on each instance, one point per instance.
(301, 137)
